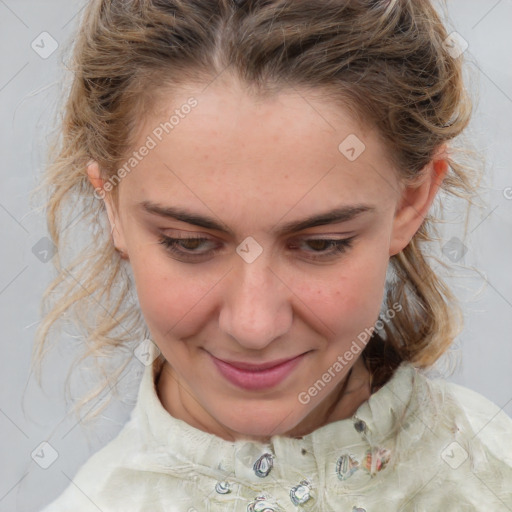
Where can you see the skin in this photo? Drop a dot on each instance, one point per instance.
(253, 165)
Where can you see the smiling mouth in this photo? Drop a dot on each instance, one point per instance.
(258, 367)
(252, 376)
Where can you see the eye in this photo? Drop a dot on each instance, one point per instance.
(187, 249)
(324, 248)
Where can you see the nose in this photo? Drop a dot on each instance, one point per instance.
(256, 307)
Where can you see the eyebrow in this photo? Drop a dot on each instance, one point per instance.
(341, 214)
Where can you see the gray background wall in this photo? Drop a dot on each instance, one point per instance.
(28, 92)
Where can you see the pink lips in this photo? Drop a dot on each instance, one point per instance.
(256, 377)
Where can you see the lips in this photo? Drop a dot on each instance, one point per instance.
(257, 367)
(252, 376)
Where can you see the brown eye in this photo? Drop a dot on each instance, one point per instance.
(324, 248)
(319, 244)
(191, 243)
(186, 249)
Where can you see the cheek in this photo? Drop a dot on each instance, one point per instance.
(170, 294)
(347, 299)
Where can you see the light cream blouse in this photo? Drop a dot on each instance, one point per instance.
(417, 444)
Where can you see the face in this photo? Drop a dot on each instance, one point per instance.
(255, 238)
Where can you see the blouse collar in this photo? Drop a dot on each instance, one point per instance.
(170, 443)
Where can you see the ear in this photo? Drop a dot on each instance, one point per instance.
(94, 175)
(415, 202)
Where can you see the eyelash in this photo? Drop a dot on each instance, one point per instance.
(340, 246)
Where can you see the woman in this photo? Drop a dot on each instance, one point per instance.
(266, 171)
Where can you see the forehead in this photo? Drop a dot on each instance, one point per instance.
(228, 148)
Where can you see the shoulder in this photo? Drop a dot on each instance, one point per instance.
(81, 493)
(464, 436)
(477, 421)
(489, 422)
(454, 411)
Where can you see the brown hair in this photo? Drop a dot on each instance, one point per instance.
(383, 59)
